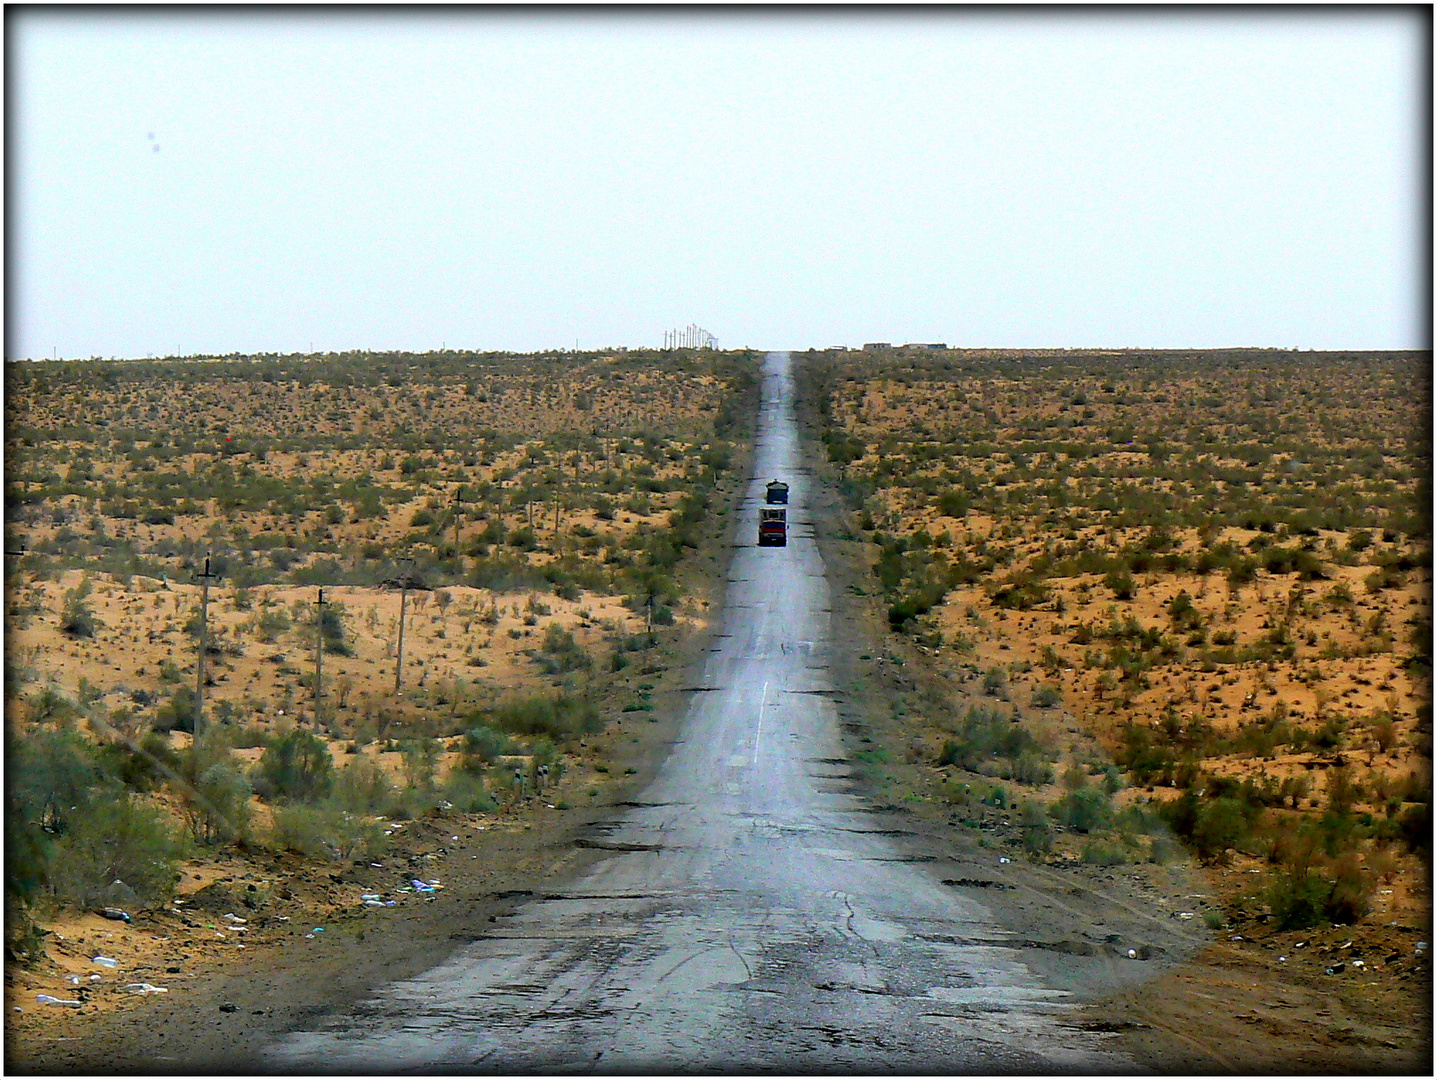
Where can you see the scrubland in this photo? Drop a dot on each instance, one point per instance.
(1188, 599)
(534, 518)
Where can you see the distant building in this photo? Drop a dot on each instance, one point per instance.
(876, 346)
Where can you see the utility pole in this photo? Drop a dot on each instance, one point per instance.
(399, 665)
(204, 647)
(319, 606)
(458, 502)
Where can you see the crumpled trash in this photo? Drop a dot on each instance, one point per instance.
(105, 961)
(369, 896)
(1004, 858)
(374, 903)
(421, 886)
(1184, 914)
(1336, 969)
(49, 999)
(117, 914)
(145, 988)
(232, 917)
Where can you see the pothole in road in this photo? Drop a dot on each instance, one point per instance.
(975, 883)
(902, 858)
(614, 845)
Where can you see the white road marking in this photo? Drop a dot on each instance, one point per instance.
(762, 702)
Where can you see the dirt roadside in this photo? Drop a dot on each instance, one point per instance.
(1151, 950)
(222, 1006)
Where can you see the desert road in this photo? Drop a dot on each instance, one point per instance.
(752, 917)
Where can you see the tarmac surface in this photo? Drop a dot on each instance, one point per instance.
(754, 915)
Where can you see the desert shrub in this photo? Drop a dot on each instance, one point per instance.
(270, 623)
(51, 777)
(140, 766)
(1415, 825)
(1046, 696)
(1085, 810)
(1121, 583)
(561, 716)
(117, 838)
(466, 793)
(295, 766)
(363, 788)
(1212, 824)
(421, 761)
(251, 735)
(78, 619)
(1101, 852)
(482, 744)
(332, 629)
(178, 713)
(506, 574)
(1029, 767)
(1037, 832)
(327, 831)
(995, 679)
(984, 734)
(560, 653)
(213, 792)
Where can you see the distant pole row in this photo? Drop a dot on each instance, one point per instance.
(690, 337)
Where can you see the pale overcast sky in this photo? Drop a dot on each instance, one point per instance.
(212, 180)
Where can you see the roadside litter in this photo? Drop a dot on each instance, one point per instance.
(146, 988)
(47, 999)
(105, 961)
(116, 914)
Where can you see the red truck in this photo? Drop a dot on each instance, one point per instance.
(772, 526)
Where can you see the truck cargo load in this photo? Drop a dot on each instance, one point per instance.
(776, 491)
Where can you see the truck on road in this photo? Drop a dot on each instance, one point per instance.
(772, 526)
(776, 491)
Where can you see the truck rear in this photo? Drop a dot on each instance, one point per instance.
(772, 526)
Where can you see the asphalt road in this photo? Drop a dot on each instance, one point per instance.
(752, 917)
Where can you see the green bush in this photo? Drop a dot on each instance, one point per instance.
(984, 734)
(1085, 810)
(1100, 852)
(117, 838)
(465, 791)
(1037, 832)
(421, 761)
(363, 787)
(560, 653)
(296, 766)
(994, 680)
(327, 831)
(213, 793)
(140, 766)
(1046, 696)
(482, 744)
(561, 717)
